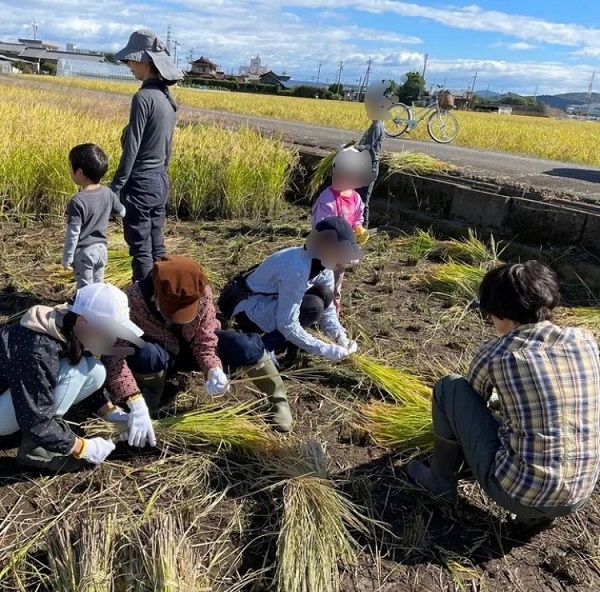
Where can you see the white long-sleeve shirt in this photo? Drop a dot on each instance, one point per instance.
(278, 285)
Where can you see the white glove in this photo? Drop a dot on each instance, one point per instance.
(139, 424)
(116, 415)
(335, 353)
(349, 344)
(217, 382)
(95, 450)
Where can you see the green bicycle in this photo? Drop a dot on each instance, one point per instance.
(442, 125)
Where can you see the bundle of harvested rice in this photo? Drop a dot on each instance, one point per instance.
(414, 163)
(233, 427)
(166, 558)
(417, 245)
(81, 558)
(471, 250)
(458, 281)
(404, 427)
(315, 540)
(403, 387)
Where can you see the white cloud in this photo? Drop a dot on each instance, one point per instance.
(232, 31)
(521, 45)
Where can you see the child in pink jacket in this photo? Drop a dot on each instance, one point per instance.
(345, 204)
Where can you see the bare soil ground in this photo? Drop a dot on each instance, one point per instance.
(424, 548)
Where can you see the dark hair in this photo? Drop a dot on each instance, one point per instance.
(520, 292)
(91, 159)
(74, 347)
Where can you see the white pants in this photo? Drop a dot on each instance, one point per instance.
(75, 383)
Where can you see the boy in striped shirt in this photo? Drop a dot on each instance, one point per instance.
(540, 458)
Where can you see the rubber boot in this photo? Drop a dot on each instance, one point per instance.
(32, 455)
(152, 387)
(439, 479)
(266, 378)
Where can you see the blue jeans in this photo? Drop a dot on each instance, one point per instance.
(74, 384)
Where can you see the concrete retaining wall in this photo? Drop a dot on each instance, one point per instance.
(528, 221)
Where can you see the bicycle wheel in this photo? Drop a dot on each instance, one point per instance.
(442, 126)
(398, 123)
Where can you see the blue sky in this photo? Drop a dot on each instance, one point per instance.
(516, 46)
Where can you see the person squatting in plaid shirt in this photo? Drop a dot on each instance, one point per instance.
(539, 459)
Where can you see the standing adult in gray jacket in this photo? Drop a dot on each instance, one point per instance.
(141, 179)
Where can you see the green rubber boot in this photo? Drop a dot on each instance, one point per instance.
(152, 387)
(34, 456)
(266, 378)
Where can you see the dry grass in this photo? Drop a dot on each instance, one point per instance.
(470, 250)
(414, 163)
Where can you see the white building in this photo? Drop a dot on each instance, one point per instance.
(255, 70)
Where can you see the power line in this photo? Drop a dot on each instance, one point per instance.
(319, 72)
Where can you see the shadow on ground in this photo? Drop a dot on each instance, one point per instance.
(589, 175)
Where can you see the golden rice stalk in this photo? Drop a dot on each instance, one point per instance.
(404, 427)
(415, 163)
(232, 427)
(316, 539)
(458, 281)
(417, 245)
(403, 387)
(321, 170)
(82, 561)
(471, 250)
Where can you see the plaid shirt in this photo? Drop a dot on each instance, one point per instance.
(548, 381)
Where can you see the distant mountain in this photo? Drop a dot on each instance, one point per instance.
(558, 102)
(487, 94)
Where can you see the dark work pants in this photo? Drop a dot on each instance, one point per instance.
(145, 199)
(314, 303)
(234, 349)
(460, 413)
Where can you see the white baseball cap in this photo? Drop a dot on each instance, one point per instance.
(107, 307)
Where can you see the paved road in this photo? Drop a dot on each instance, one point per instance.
(551, 176)
(546, 176)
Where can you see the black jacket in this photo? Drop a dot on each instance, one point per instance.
(29, 366)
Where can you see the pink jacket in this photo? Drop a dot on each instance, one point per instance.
(331, 203)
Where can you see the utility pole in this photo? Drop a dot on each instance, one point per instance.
(339, 78)
(472, 97)
(35, 29)
(590, 93)
(191, 56)
(176, 57)
(319, 72)
(369, 61)
(425, 64)
(537, 86)
(169, 39)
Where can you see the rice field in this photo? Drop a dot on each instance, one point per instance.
(213, 171)
(552, 139)
(225, 504)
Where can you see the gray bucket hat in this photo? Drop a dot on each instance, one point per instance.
(146, 46)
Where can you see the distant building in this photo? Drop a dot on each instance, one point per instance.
(279, 80)
(204, 68)
(255, 70)
(36, 51)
